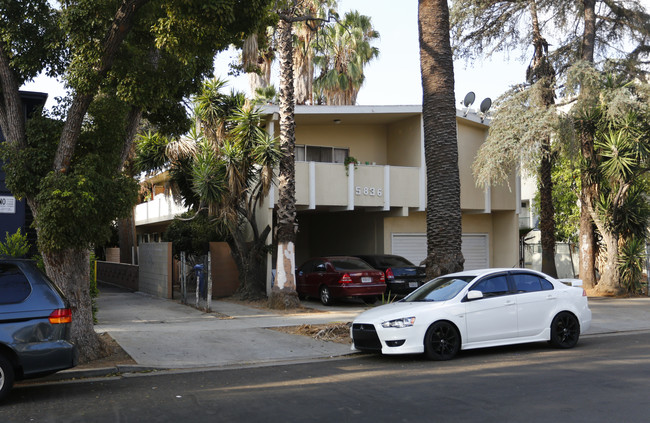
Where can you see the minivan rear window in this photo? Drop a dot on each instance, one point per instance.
(14, 286)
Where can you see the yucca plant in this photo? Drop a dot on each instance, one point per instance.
(631, 259)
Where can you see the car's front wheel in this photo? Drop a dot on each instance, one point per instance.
(325, 295)
(442, 341)
(6, 376)
(565, 330)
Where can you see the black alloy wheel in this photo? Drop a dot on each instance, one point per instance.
(565, 330)
(325, 295)
(442, 341)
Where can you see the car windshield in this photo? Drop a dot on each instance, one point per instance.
(439, 289)
(394, 261)
(350, 263)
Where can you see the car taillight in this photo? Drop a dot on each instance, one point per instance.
(61, 315)
(584, 293)
(389, 274)
(345, 279)
(382, 278)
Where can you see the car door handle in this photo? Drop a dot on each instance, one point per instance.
(510, 302)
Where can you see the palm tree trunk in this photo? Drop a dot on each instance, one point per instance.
(284, 293)
(443, 215)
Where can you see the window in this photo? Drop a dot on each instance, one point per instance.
(14, 286)
(527, 283)
(493, 286)
(312, 153)
(531, 283)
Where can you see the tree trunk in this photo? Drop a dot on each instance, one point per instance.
(12, 120)
(127, 240)
(70, 270)
(443, 215)
(542, 72)
(588, 245)
(547, 213)
(284, 293)
(251, 263)
(610, 283)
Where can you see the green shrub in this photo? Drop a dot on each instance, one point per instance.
(15, 245)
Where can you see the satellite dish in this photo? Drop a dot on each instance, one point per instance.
(469, 99)
(485, 105)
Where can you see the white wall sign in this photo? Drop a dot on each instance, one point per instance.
(7, 205)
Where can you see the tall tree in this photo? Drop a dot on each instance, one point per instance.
(224, 171)
(344, 49)
(284, 293)
(614, 117)
(508, 145)
(443, 215)
(120, 59)
(588, 30)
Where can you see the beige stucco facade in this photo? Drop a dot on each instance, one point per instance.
(372, 207)
(379, 205)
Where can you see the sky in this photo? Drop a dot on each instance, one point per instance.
(394, 77)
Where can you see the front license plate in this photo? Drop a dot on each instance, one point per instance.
(366, 279)
(413, 284)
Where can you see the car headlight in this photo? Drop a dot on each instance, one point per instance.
(399, 323)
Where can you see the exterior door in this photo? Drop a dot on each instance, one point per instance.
(494, 316)
(536, 300)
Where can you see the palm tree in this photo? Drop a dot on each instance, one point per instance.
(344, 51)
(443, 215)
(304, 48)
(284, 293)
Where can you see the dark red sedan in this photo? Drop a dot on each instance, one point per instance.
(337, 277)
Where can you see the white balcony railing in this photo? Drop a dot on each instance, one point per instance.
(376, 186)
(160, 209)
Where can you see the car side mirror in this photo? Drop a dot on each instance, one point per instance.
(474, 295)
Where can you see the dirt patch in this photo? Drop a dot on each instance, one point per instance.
(334, 332)
(116, 355)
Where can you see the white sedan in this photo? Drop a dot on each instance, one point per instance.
(475, 309)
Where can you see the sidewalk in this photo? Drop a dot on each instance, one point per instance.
(163, 334)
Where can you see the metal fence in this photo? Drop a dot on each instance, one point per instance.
(195, 277)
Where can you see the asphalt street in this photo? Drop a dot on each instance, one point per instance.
(603, 379)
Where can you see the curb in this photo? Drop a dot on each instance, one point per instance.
(72, 374)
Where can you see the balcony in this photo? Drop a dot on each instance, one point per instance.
(162, 208)
(375, 187)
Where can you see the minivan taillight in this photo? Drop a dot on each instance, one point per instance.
(61, 315)
(345, 279)
(389, 274)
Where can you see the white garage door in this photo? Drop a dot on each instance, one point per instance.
(414, 248)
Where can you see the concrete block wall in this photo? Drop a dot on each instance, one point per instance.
(156, 269)
(124, 275)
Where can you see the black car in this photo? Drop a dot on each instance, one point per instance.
(35, 321)
(402, 276)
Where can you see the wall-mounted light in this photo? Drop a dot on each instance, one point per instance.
(336, 121)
